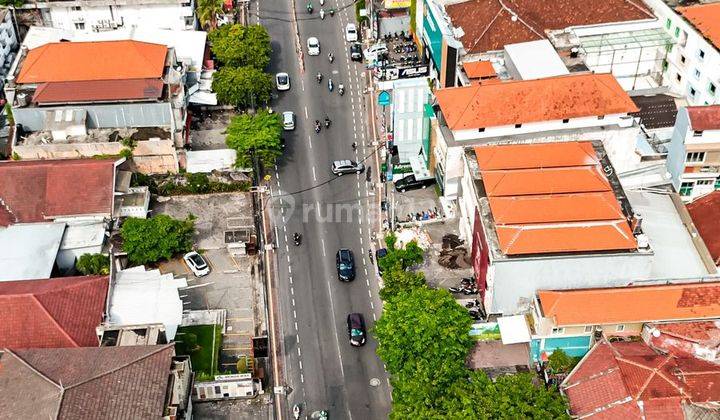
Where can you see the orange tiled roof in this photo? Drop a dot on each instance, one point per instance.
(551, 197)
(631, 304)
(706, 18)
(86, 61)
(525, 101)
(479, 69)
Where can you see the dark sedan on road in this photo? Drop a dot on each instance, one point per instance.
(356, 329)
(411, 183)
(345, 264)
(356, 52)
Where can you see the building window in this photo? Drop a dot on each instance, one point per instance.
(518, 125)
(601, 117)
(701, 54)
(677, 31)
(712, 88)
(695, 157)
(620, 328)
(189, 21)
(686, 188)
(481, 129)
(558, 331)
(704, 182)
(588, 328)
(566, 120)
(692, 92)
(697, 73)
(678, 77)
(668, 24)
(682, 58)
(717, 184)
(80, 25)
(76, 8)
(697, 133)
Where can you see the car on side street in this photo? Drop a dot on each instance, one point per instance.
(313, 46)
(412, 183)
(356, 52)
(282, 81)
(288, 119)
(345, 264)
(356, 329)
(197, 264)
(341, 167)
(351, 34)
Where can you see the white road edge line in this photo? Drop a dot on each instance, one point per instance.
(314, 176)
(323, 247)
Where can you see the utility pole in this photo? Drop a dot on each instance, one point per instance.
(243, 11)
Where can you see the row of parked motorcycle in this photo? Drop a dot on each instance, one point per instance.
(397, 36)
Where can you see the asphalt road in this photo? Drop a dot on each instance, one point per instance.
(319, 364)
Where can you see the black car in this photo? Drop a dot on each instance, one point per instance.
(356, 329)
(410, 183)
(356, 52)
(345, 264)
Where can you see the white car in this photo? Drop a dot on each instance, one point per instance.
(313, 46)
(288, 119)
(282, 81)
(374, 51)
(197, 264)
(351, 33)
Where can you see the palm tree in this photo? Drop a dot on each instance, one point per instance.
(207, 12)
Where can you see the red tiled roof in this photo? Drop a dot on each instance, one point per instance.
(489, 26)
(60, 312)
(526, 101)
(705, 117)
(617, 305)
(111, 60)
(706, 18)
(551, 197)
(705, 213)
(479, 69)
(36, 191)
(98, 90)
(128, 382)
(629, 380)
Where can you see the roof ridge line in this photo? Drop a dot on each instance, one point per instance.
(521, 20)
(123, 366)
(31, 367)
(54, 321)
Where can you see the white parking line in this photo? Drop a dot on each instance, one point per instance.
(323, 246)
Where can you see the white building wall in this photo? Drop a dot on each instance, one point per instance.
(174, 16)
(621, 120)
(8, 44)
(689, 44)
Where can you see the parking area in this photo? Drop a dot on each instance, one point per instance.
(233, 283)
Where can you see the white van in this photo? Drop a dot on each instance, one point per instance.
(372, 53)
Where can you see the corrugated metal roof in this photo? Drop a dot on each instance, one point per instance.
(551, 198)
(98, 90)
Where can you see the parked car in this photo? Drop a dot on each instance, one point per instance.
(372, 53)
(345, 264)
(351, 34)
(197, 264)
(282, 81)
(356, 52)
(411, 183)
(288, 118)
(356, 329)
(313, 46)
(340, 167)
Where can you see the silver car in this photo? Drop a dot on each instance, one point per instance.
(288, 118)
(197, 264)
(282, 81)
(340, 167)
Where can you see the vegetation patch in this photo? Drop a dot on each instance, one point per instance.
(202, 343)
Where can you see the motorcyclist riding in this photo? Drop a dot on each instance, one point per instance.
(341, 89)
(317, 126)
(330, 84)
(309, 7)
(327, 122)
(322, 14)
(296, 238)
(331, 57)
(319, 77)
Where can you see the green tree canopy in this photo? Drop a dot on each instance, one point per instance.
(242, 86)
(407, 257)
(238, 45)
(260, 132)
(89, 264)
(208, 11)
(396, 280)
(157, 238)
(561, 362)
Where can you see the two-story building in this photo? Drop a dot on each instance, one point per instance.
(693, 64)
(694, 151)
(131, 95)
(580, 106)
(103, 15)
(554, 216)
